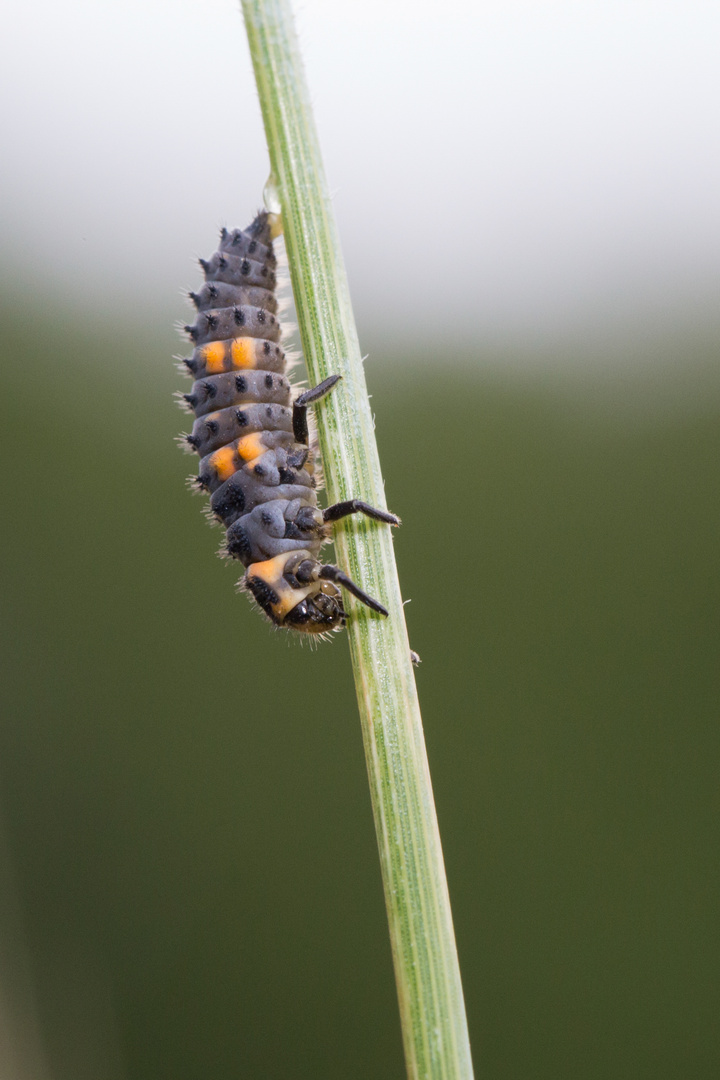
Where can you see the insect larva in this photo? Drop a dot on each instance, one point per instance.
(252, 439)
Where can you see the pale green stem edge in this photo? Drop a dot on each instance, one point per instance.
(423, 942)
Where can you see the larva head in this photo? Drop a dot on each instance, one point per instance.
(319, 613)
(288, 590)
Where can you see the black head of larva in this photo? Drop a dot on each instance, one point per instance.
(317, 615)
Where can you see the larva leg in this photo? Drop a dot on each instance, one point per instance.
(300, 428)
(335, 574)
(357, 506)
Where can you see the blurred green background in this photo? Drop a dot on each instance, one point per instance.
(192, 887)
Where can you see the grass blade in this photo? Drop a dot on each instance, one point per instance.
(423, 943)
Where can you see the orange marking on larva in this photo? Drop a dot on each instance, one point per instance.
(214, 357)
(290, 598)
(271, 572)
(250, 446)
(242, 351)
(223, 462)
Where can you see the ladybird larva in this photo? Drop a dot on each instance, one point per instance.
(251, 434)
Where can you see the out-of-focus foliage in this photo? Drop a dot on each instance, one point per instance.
(184, 793)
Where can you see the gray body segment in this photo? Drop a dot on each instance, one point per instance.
(221, 324)
(236, 270)
(275, 528)
(216, 294)
(242, 493)
(238, 388)
(219, 428)
(248, 243)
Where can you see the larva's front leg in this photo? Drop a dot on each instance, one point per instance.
(300, 406)
(357, 506)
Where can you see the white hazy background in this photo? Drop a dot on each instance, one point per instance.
(514, 175)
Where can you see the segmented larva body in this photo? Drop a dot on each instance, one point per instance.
(252, 438)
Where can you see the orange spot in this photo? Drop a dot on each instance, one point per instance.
(214, 357)
(223, 462)
(242, 351)
(250, 446)
(271, 572)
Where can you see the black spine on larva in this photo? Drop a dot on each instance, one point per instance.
(259, 477)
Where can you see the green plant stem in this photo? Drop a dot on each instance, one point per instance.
(423, 943)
